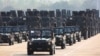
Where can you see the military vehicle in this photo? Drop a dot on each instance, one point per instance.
(6, 35)
(78, 33)
(74, 33)
(17, 34)
(60, 37)
(24, 32)
(41, 40)
(69, 35)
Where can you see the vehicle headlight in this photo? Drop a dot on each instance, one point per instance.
(30, 43)
(68, 34)
(49, 43)
(32, 39)
(71, 35)
(59, 36)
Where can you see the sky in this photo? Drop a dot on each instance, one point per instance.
(49, 4)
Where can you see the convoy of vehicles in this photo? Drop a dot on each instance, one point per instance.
(43, 30)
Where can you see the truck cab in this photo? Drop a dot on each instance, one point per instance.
(60, 37)
(41, 40)
(6, 35)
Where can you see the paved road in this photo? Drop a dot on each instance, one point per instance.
(89, 47)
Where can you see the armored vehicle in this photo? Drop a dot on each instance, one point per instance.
(6, 35)
(69, 35)
(60, 37)
(78, 33)
(74, 33)
(17, 34)
(41, 40)
(24, 32)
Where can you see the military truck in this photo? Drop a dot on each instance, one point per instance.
(6, 35)
(24, 32)
(78, 33)
(17, 34)
(79, 19)
(69, 35)
(74, 33)
(41, 40)
(60, 37)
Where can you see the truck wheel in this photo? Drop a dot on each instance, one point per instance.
(85, 38)
(74, 40)
(51, 51)
(25, 39)
(54, 50)
(19, 40)
(29, 52)
(12, 42)
(70, 42)
(63, 45)
(79, 39)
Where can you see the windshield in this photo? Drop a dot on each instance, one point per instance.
(15, 29)
(58, 31)
(67, 30)
(23, 28)
(40, 34)
(46, 33)
(5, 30)
(77, 28)
(35, 33)
(73, 29)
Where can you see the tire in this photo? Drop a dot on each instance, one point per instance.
(85, 38)
(19, 40)
(79, 39)
(63, 45)
(74, 40)
(29, 52)
(51, 51)
(70, 42)
(54, 51)
(10, 42)
(25, 39)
